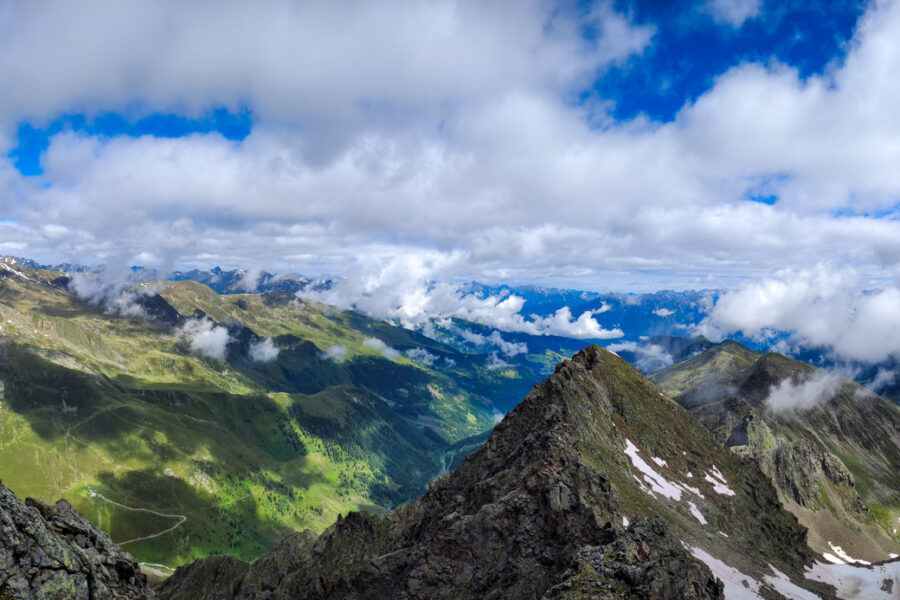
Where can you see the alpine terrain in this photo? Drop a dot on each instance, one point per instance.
(595, 486)
(830, 447)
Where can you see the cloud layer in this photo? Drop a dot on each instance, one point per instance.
(808, 393)
(824, 306)
(411, 290)
(446, 128)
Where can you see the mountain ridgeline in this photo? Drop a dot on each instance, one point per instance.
(185, 423)
(830, 447)
(595, 486)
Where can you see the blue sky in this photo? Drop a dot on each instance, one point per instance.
(691, 46)
(594, 145)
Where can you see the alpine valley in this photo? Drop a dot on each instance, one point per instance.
(246, 443)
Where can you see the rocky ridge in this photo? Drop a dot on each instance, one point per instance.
(51, 552)
(834, 461)
(594, 486)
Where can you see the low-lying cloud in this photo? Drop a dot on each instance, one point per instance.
(413, 289)
(818, 307)
(494, 339)
(116, 294)
(807, 393)
(648, 358)
(420, 355)
(264, 350)
(378, 345)
(205, 338)
(337, 353)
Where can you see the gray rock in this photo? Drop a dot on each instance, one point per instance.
(53, 553)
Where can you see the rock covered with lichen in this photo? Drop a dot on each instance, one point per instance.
(52, 552)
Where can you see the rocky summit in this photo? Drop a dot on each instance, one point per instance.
(53, 553)
(830, 447)
(595, 486)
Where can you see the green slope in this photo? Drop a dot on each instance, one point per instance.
(179, 456)
(835, 464)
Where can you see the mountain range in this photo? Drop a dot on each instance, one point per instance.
(186, 423)
(596, 486)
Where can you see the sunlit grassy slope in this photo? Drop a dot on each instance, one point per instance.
(180, 456)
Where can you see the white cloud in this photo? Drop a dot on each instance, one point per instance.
(820, 306)
(336, 353)
(205, 338)
(115, 290)
(406, 289)
(264, 350)
(663, 312)
(649, 358)
(445, 128)
(805, 394)
(494, 339)
(494, 362)
(733, 12)
(420, 355)
(379, 346)
(882, 379)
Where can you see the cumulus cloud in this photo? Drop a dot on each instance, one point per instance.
(378, 345)
(405, 289)
(807, 393)
(663, 312)
(822, 306)
(494, 339)
(264, 350)
(420, 355)
(445, 127)
(648, 358)
(205, 338)
(337, 353)
(733, 12)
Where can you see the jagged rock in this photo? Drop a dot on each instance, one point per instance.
(212, 578)
(807, 450)
(536, 512)
(52, 552)
(646, 562)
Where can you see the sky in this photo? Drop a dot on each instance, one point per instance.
(608, 146)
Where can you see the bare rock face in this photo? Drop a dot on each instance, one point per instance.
(51, 552)
(539, 512)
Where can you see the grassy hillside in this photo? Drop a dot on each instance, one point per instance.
(180, 455)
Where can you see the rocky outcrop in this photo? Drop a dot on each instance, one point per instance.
(538, 512)
(645, 562)
(52, 552)
(830, 459)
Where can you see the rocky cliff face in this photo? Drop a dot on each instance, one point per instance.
(595, 486)
(51, 552)
(834, 456)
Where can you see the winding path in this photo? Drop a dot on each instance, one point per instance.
(181, 518)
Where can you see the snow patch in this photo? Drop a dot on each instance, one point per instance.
(719, 483)
(696, 512)
(844, 557)
(658, 483)
(624, 521)
(784, 586)
(660, 462)
(737, 585)
(859, 581)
